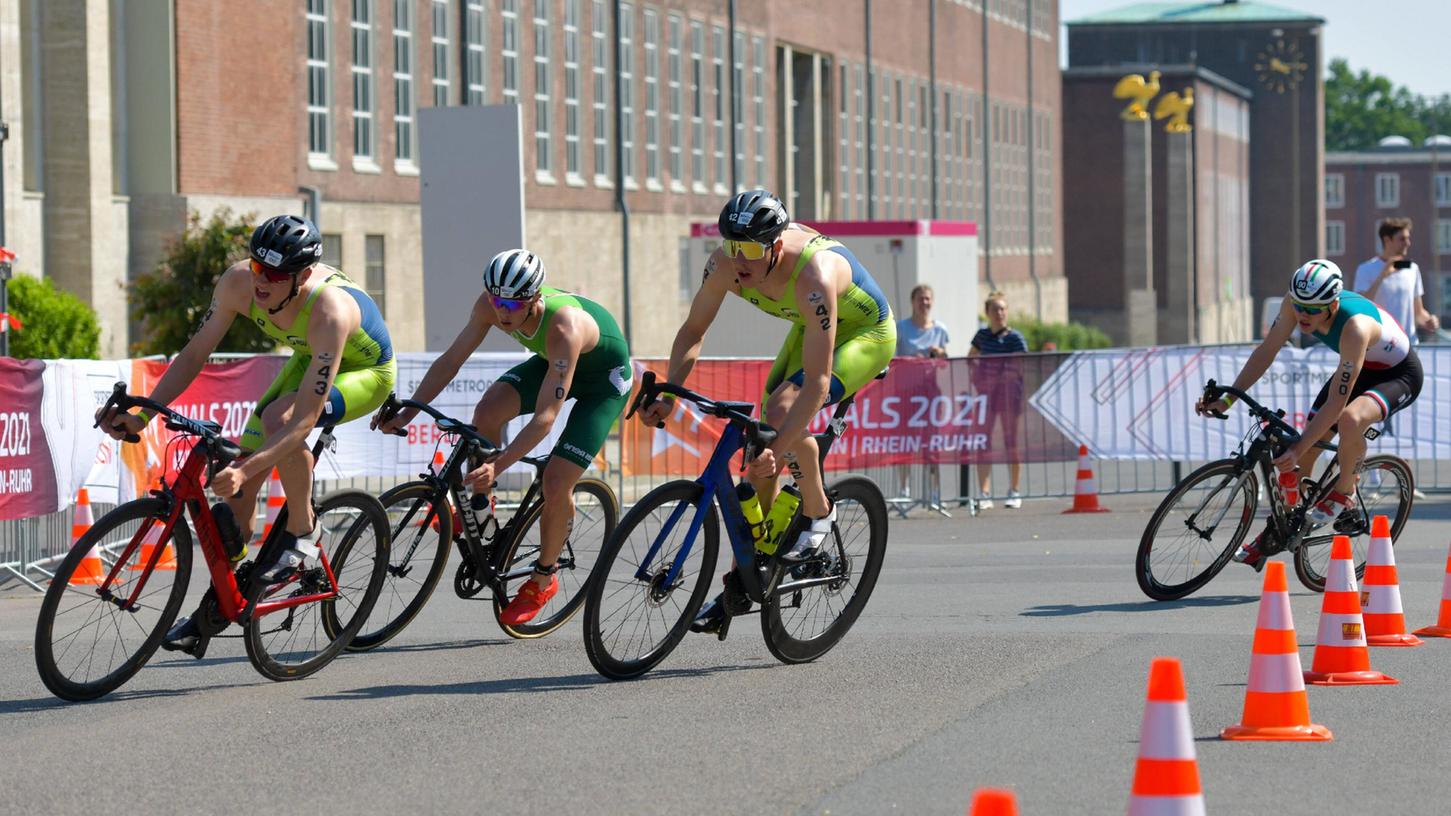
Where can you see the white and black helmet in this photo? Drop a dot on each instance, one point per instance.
(516, 274)
(1317, 283)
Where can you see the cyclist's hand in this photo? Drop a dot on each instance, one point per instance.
(1203, 408)
(658, 411)
(228, 482)
(1290, 458)
(117, 424)
(481, 478)
(399, 420)
(764, 466)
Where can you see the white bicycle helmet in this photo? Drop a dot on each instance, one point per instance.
(516, 274)
(1317, 283)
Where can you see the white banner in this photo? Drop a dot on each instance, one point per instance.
(1139, 403)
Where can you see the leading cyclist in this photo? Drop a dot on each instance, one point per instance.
(1378, 375)
(341, 369)
(842, 336)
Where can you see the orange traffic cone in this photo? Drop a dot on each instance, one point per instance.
(993, 802)
(276, 499)
(1341, 657)
(1443, 621)
(91, 570)
(1275, 704)
(1380, 596)
(1166, 777)
(437, 462)
(148, 547)
(1085, 490)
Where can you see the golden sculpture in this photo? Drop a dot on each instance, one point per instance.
(1135, 88)
(1175, 107)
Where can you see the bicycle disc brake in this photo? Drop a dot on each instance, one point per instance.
(466, 583)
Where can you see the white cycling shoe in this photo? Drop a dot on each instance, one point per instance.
(809, 542)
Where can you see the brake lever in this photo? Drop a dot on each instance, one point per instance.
(1217, 415)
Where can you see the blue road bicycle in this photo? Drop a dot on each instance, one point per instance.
(656, 569)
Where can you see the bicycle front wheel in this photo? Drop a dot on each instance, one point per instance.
(421, 525)
(595, 513)
(802, 625)
(1195, 530)
(634, 614)
(294, 642)
(86, 645)
(1386, 488)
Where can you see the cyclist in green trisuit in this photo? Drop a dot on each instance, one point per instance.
(580, 353)
(842, 336)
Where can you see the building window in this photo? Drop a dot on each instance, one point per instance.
(758, 101)
(652, 99)
(571, 88)
(543, 144)
(677, 98)
(403, 96)
(1334, 190)
(1442, 185)
(332, 250)
(509, 50)
(627, 91)
(599, 38)
(697, 107)
(475, 36)
(843, 132)
(373, 272)
(440, 53)
(717, 89)
(1443, 237)
(1387, 189)
(738, 95)
(362, 30)
(319, 81)
(1334, 238)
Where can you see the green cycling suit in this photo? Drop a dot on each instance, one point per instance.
(365, 373)
(601, 384)
(866, 334)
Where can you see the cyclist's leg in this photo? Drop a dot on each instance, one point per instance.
(254, 434)
(511, 395)
(1375, 396)
(788, 359)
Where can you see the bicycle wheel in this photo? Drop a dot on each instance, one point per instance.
(1179, 552)
(1386, 488)
(805, 624)
(292, 643)
(85, 644)
(595, 514)
(421, 523)
(632, 617)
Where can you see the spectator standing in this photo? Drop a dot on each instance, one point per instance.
(1393, 280)
(920, 335)
(1002, 382)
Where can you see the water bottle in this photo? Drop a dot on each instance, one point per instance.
(1290, 487)
(782, 511)
(229, 531)
(751, 509)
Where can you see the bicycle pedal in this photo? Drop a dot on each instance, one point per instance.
(725, 628)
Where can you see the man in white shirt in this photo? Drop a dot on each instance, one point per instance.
(1396, 288)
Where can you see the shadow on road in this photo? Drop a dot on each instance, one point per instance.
(447, 645)
(1059, 610)
(573, 682)
(52, 703)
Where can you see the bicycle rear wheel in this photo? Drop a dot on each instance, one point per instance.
(632, 617)
(1180, 551)
(1387, 488)
(421, 525)
(803, 625)
(85, 644)
(292, 643)
(595, 513)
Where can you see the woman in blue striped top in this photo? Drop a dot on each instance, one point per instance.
(1002, 382)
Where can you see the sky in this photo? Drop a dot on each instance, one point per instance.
(1405, 40)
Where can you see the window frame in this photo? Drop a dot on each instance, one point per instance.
(1382, 200)
(364, 82)
(543, 98)
(476, 52)
(1334, 182)
(1334, 238)
(405, 89)
(439, 42)
(318, 26)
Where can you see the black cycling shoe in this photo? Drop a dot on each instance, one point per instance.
(712, 616)
(186, 637)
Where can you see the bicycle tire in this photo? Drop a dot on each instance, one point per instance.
(605, 653)
(1312, 558)
(61, 681)
(409, 543)
(292, 661)
(1225, 470)
(776, 619)
(600, 509)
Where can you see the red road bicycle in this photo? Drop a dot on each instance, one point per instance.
(119, 589)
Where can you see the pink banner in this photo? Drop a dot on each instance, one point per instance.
(27, 475)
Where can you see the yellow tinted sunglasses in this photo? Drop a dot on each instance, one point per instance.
(750, 250)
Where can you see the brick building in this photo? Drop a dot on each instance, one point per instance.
(179, 106)
(1396, 179)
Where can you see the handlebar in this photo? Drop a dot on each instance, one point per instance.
(224, 450)
(392, 406)
(1213, 391)
(759, 434)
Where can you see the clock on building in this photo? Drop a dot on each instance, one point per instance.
(1281, 66)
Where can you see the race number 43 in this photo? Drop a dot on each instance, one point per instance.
(14, 434)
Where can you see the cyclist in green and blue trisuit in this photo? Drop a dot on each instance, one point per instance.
(341, 369)
(579, 352)
(842, 335)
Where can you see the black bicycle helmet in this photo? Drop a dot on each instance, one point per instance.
(754, 215)
(289, 243)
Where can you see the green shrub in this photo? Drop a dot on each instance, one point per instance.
(1067, 336)
(57, 324)
(169, 301)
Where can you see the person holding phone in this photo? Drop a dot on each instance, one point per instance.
(1393, 281)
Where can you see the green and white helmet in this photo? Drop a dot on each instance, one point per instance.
(1317, 283)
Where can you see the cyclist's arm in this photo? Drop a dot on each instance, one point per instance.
(231, 297)
(703, 309)
(567, 337)
(1354, 340)
(446, 366)
(1264, 354)
(816, 293)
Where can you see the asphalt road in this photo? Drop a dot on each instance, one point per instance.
(1009, 650)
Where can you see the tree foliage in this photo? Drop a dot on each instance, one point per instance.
(169, 301)
(57, 324)
(1362, 108)
(1066, 336)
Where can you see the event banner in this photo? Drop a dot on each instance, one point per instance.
(27, 475)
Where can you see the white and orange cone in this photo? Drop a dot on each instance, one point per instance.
(993, 802)
(91, 571)
(1085, 488)
(1443, 620)
(1341, 656)
(1166, 777)
(1275, 704)
(276, 500)
(167, 561)
(1380, 595)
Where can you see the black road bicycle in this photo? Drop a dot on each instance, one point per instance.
(1203, 520)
